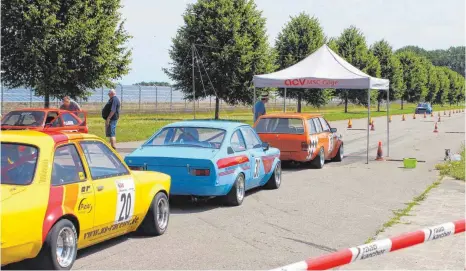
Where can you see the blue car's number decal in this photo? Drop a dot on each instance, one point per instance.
(257, 167)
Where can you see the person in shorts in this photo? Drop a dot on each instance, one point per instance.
(111, 114)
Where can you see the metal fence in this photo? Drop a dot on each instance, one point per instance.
(134, 99)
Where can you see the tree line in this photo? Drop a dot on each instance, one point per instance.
(229, 44)
(60, 48)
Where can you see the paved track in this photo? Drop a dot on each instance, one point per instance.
(314, 211)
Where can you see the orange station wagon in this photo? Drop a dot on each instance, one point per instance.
(301, 137)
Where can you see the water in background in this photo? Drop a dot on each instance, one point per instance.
(129, 93)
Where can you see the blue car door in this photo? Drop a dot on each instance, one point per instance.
(255, 152)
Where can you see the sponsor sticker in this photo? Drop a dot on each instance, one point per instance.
(373, 249)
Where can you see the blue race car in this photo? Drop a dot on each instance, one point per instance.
(423, 108)
(210, 158)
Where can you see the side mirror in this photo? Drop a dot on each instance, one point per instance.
(265, 146)
(333, 130)
(230, 150)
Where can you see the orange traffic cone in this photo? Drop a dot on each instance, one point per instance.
(372, 126)
(425, 115)
(403, 118)
(431, 114)
(438, 118)
(350, 124)
(414, 116)
(436, 128)
(380, 153)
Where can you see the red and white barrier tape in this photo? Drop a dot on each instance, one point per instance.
(377, 248)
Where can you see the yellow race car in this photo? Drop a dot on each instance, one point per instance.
(65, 191)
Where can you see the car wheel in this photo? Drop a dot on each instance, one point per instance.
(156, 221)
(60, 247)
(276, 178)
(319, 160)
(339, 156)
(236, 195)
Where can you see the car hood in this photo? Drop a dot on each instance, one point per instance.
(10, 190)
(174, 152)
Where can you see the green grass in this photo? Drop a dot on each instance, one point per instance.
(455, 169)
(398, 214)
(137, 127)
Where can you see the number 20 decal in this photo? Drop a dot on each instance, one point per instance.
(257, 168)
(125, 200)
(125, 212)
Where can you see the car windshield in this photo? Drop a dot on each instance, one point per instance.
(18, 163)
(23, 118)
(280, 126)
(423, 105)
(188, 137)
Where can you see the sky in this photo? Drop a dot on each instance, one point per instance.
(431, 24)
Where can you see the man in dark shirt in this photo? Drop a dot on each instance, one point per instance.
(111, 114)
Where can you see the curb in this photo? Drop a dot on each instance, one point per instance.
(378, 247)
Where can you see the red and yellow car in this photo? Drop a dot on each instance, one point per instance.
(301, 137)
(45, 119)
(65, 191)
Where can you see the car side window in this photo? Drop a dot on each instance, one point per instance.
(69, 120)
(237, 142)
(312, 127)
(67, 166)
(325, 126)
(102, 162)
(57, 122)
(318, 125)
(252, 141)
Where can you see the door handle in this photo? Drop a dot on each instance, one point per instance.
(100, 188)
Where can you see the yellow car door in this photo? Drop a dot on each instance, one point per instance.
(78, 194)
(116, 209)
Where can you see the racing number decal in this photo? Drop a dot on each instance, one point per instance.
(257, 167)
(125, 200)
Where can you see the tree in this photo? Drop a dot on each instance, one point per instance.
(444, 86)
(230, 44)
(63, 48)
(414, 77)
(433, 83)
(351, 45)
(300, 37)
(390, 68)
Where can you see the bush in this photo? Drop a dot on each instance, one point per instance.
(455, 169)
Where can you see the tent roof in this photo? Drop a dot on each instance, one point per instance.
(322, 69)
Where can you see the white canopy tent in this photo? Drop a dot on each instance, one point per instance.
(325, 69)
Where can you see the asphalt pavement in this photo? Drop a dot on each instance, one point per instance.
(314, 212)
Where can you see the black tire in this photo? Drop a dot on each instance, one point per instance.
(276, 179)
(319, 160)
(236, 195)
(339, 156)
(156, 221)
(47, 258)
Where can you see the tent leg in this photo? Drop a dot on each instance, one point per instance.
(284, 102)
(368, 119)
(388, 122)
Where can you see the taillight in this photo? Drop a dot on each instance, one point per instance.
(304, 146)
(199, 172)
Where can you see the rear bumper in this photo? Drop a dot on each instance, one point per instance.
(189, 188)
(298, 156)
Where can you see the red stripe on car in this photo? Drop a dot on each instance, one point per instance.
(54, 209)
(232, 161)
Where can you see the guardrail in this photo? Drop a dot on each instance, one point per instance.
(377, 248)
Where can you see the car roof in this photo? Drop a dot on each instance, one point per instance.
(218, 124)
(34, 137)
(38, 109)
(292, 115)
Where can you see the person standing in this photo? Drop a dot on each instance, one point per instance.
(259, 107)
(69, 105)
(111, 114)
